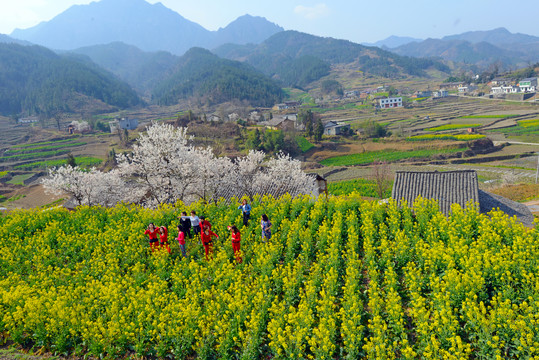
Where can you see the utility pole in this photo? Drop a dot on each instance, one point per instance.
(537, 171)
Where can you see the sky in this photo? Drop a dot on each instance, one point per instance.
(355, 20)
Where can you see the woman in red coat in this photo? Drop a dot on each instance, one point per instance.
(152, 232)
(163, 238)
(207, 242)
(236, 239)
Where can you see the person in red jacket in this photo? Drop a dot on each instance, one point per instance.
(207, 242)
(181, 240)
(163, 238)
(236, 238)
(204, 223)
(152, 232)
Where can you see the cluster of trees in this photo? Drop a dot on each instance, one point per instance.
(332, 86)
(203, 74)
(164, 168)
(372, 129)
(313, 124)
(35, 80)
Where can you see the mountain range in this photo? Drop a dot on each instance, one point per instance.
(150, 27)
(480, 48)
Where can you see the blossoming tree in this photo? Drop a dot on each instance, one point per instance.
(164, 168)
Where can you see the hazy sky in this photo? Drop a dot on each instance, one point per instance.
(355, 20)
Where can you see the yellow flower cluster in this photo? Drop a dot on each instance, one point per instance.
(340, 278)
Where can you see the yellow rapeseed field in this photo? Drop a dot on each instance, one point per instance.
(339, 279)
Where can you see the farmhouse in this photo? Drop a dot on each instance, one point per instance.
(501, 81)
(440, 94)
(465, 89)
(392, 102)
(528, 85)
(335, 128)
(453, 187)
(28, 120)
(283, 122)
(124, 124)
(423, 93)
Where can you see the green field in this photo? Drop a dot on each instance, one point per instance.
(385, 155)
(25, 150)
(19, 179)
(453, 127)
(456, 137)
(304, 144)
(487, 116)
(83, 161)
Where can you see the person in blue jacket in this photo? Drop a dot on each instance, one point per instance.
(246, 211)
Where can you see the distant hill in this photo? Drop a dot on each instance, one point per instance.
(35, 80)
(497, 36)
(462, 51)
(213, 80)
(142, 70)
(284, 50)
(393, 42)
(480, 48)
(246, 29)
(9, 40)
(136, 22)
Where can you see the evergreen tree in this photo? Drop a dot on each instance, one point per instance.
(319, 130)
(71, 160)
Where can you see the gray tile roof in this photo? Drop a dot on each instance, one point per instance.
(448, 187)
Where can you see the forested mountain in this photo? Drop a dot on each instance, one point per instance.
(142, 70)
(9, 40)
(480, 48)
(150, 27)
(286, 47)
(480, 54)
(35, 80)
(213, 80)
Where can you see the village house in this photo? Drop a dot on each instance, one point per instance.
(423, 93)
(440, 94)
(283, 122)
(123, 123)
(28, 120)
(500, 81)
(528, 85)
(466, 89)
(335, 128)
(392, 102)
(452, 85)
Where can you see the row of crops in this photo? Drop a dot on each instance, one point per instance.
(38, 155)
(340, 278)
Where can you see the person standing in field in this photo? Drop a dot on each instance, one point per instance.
(204, 223)
(265, 224)
(163, 238)
(185, 223)
(207, 242)
(195, 221)
(152, 232)
(246, 211)
(236, 239)
(181, 240)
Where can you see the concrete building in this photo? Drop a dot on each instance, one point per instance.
(392, 102)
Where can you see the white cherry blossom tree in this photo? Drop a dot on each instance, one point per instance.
(164, 168)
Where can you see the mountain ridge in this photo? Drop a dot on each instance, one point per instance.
(150, 27)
